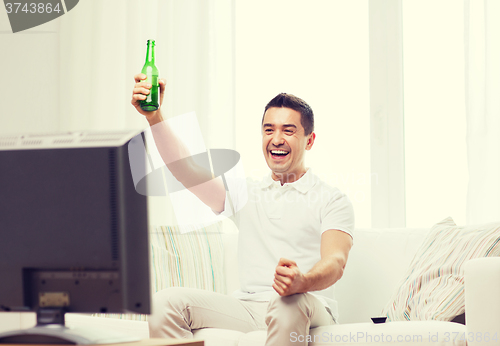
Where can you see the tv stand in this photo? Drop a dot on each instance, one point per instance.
(51, 329)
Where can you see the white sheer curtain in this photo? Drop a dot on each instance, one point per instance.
(103, 45)
(482, 83)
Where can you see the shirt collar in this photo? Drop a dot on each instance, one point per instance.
(304, 184)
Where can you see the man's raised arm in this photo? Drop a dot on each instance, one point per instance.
(174, 153)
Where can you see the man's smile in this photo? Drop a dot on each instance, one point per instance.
(279, 154)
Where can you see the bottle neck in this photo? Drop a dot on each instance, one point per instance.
(150, 54)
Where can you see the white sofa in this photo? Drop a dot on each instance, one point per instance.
(376, 265)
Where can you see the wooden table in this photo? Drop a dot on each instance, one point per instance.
(164, 342)
(145, 342)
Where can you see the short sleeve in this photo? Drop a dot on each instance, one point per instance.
(236, 196)
(338, 214)
(235, 183)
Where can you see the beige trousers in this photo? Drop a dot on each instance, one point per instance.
(177, 311)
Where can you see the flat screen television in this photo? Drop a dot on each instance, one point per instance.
(74, 231)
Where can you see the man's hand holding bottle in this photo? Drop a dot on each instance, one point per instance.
(140, 92)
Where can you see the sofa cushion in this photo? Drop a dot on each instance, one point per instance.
(433, 287)
(193, 259)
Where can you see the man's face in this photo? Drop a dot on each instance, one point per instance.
(284, 143)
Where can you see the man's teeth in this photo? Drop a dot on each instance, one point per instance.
(279, 152)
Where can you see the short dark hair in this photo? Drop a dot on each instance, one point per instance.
(297, 104)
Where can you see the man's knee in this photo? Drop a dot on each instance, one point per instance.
(167, 302)
(170, 317)
(288, 309)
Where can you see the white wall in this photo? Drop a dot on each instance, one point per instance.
(29, 66)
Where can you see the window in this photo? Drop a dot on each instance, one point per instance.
(319, 51)
(434, 111)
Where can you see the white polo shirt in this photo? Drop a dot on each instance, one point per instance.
(287, 221)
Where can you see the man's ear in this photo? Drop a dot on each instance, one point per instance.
(310, 140)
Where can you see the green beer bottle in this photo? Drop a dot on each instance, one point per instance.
(152, 101)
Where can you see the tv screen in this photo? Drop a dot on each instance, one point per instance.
(74, 232)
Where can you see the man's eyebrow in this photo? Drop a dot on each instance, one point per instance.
(284, 125)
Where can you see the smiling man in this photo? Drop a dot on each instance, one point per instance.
(295, 234)
(284, 141)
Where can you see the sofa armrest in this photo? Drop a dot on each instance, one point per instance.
(482, 301)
